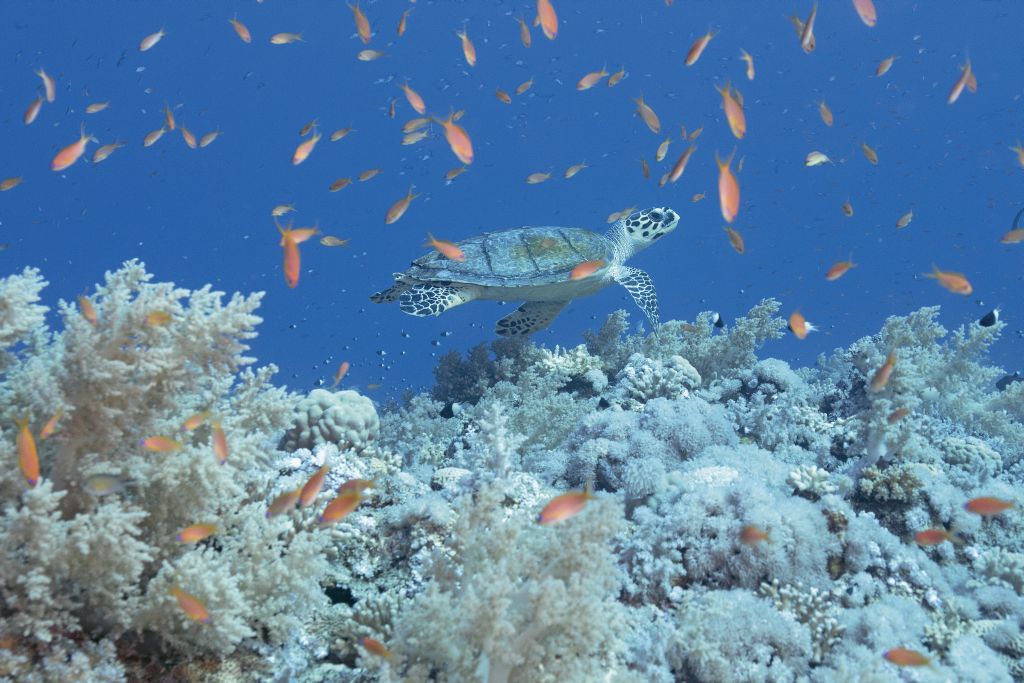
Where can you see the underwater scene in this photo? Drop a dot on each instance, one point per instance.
(491, 341)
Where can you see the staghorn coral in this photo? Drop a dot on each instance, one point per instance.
(810, 481)
(814, 608)
(344, 417)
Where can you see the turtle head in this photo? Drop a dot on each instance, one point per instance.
(641, 229)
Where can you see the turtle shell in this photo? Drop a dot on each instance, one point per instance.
(521, 256)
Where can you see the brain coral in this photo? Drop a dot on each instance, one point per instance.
(344, 418)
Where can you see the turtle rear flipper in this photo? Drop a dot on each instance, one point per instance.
(433, 299)
(641, 287)
(529, 318)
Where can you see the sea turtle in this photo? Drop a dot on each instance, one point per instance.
(533, 264)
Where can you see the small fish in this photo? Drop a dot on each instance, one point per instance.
(447, 249)
(591, 79)
(48, 85)
(194, 421)
(847, 209)
(158, 318)
(10, 183)
(96, 107)
(362, 23)
(799, 325)
(897, 415)
(825, 112)
(700, 196)
(357, 485)
(208, 138)
(413, 138)
(586, 269)
(807, 35)
(1020, 153)
(375, 647)
(285, 38)
(99, 485)
(219, 441)
(51, 425)
(698, 47)
(189, 137)
(987, 506)
(454, 173)
(311, 489)
(340, 374)
(536, 178)
(524, 33)
(866, 12)
(614, 79)
(565, 506)
(283, 503)
(369, 55)
(304, 131)
(153, 136)
(28, 455)
(160, 444)
(696, 133)
(954, 282)
(192, 606)
(1015, 236)
(196, 533)
(816, 158)
(88, 311)
(291, 266)
(548, 18)
(414, 125)
(502, 96)
(152, 39)
(869, 153)
(368, 174)
(880, 378)
(745, 56)
(524, 86)
(402, 22)
(574, 169)
(733, 112)
(884, 66)
(648, 115)
(399, 208)
(468, 51)
(645, 169)
(340, 133)
(904, 220)
(168, 116)
(958, 87)
(332, 241)
(32, 112)
(340, 184)
(680, 166)
(281, 209)
(930, 537)
(901, 656)
(339, 508)
(105, 151)
(735, 239)
(458, 139)
(240, 29)
(72, 153)
(728, 189)
(305, 148)
(752, 535)
(839, 268)
(619, 215)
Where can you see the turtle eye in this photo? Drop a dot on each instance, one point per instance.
(656, 216)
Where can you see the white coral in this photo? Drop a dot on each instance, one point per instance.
(810, 481)
(568, 362)
(644, 379)
(812, 607)
(345, 418)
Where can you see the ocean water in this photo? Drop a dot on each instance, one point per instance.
(203, 216)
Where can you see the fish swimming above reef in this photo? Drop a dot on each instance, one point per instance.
(535, 265)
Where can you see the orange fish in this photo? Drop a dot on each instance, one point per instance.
(367, 174)
(189, 137)
(375, 647)
(457, 139)
(662, 149)
(192, 606)
(362, 24)
(1015, 236)
(807, 35)
(168, 116)
(826, 113)
(10, 183)
(284, 38)
(935, 537)
(369, 55)
(291, 258)
(697, 49)
(391, 109)
(340, 184)
(340, 133)
(847, 209)
(414, 99)
(537, 178)
(28, 456)
(548, 18)
(904, 220)
(987, 506)
(153, 136)
(158, 318)
(414, 125)
(870, 153)
(735, 239)
(799, 326)
(105, 151)
(645, 168)
(745, 56)
(884, 66)
(33, 111)
(680, 165)
(160, 444)
(696, 133)
(614, 79)
(340, 374)
(866, 11)
(524, 32)
(401, 23)
(503, 96)
(752, 535)
(954, 282)
(897, 415)
(241, 29)
(454, 173)
(958, 87)
(586, 269)
(1020, 153)
(194, 421)
(648, 115)
(88, 312)
(524, 86)
(591, 79)
(48, 85)
(284, 502)
(728, 189)
(310, 490)
(399, 208)
(447, 249)
(881, 377)
(839, 269)
(196, 533)
(72, 153)
(565, 506)
(468, 51)
(151, 40)
(220, 443)
(339, 508)
(901, 656)
(50, 426)
(357, 485)
(574, 169)
(733, 112)
(305, 148)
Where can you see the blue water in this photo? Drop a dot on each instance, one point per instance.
(203, 216)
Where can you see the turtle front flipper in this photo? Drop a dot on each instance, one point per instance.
(529, 318)
(434, 299)
(641, 287)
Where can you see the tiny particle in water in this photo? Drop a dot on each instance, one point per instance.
(381, 352)
(139, 69)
